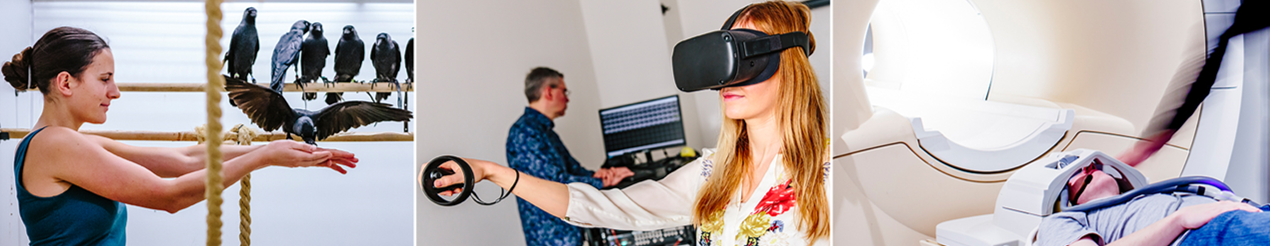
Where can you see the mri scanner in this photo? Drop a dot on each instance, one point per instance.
(954, 97)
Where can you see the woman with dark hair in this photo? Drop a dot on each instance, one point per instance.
(71, 185)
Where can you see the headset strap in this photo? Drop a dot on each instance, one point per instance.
(775, 43)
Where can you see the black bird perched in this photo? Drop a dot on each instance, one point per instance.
(349, 54)
(287, 53)
(313, 53)
(386, 57)
(270, 111)
(243, 46)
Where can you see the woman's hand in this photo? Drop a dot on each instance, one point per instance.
(289, 153)
(481, 170)
(339, 158)
(549, 196)
(1197, 216)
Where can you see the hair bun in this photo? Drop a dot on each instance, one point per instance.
(17, 71)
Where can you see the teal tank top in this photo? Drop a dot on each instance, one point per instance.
(75, 217)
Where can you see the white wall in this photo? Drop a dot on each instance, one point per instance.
(476, 76)
(162, 42)
(15, 111)
(632, 61)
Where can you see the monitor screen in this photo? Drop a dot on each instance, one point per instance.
(642, 126)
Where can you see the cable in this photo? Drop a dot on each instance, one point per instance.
(501, 195)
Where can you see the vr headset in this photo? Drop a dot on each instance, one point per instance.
(727, 58)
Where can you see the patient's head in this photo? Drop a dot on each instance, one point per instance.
(1091, 183)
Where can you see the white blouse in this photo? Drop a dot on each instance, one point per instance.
(669, 202)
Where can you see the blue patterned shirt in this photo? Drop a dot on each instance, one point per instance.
(534, 149)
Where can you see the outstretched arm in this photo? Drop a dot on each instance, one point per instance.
(119, 179)
(643, 206)
(169, 162)
(550, 196)
(1143, 149)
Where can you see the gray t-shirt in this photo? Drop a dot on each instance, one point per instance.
(1111, 223)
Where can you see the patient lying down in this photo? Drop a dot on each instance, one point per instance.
(1154, 219)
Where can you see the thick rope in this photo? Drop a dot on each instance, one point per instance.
(244, 211)
(215, 83)
(243, 136)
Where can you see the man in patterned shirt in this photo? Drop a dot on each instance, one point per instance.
(534, 148)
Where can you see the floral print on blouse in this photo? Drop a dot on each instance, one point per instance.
(767, 220)
(767, 217)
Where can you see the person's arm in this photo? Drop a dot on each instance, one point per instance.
(169, 162)
(1146, 148)
(1164, 231)
(80, 161)
(1195, 77)
(1085, 241)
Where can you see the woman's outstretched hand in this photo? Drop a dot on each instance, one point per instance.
(480, 171)
(551, 197)
(289, 153)
(339, 159)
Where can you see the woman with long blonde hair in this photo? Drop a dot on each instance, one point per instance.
(766, 184)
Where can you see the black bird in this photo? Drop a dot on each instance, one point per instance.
(270, 111)
(349, 54)
(243, 46)
(386, 57)
(287, 53)
(313, 53)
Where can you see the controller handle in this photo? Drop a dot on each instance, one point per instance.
(433, 171)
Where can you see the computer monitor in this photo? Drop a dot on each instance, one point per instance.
(640, 126)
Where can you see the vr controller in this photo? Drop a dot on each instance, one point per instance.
(433, 171)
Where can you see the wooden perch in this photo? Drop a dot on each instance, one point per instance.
(289, 87)
(19, 133)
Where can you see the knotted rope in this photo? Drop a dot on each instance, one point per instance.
(242, 135)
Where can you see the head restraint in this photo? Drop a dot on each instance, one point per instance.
(727, 58)
(1088, 168)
